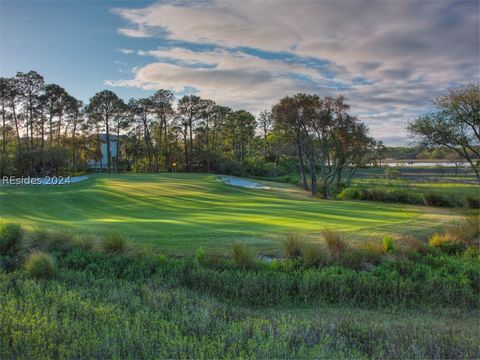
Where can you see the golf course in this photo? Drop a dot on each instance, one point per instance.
(239, 180)
(181, 212)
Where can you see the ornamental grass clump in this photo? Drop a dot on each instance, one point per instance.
(209, 258)
(40, 265)
(114, 243)
(10, 238)
(315, 255)
(372, 252)
(242, 256)
(448, 243)
(293, 246)
(388, 244)
(336, 243)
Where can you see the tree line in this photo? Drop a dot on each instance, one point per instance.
(46, 131)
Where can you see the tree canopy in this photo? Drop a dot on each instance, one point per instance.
(455, 124)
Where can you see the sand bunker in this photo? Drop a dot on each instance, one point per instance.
(64, 180)
(229, 180)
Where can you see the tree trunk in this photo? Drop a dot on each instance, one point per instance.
(190, 123)
(31, 123)
(16, 127)
(300, 158)
(4, 139)
(109, 157)
(186, 146)
(117, 155)
(50, 137)
(74, 148)
(167, 151)
(313, 179)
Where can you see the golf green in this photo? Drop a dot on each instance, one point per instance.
(180, 212)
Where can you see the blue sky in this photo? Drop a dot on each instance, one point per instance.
(390, 58)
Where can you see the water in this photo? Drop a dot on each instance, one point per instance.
(407, 163)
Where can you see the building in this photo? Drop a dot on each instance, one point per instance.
(101, 163)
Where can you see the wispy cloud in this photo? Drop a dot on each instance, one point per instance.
(389, 58)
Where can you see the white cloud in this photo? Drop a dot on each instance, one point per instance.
(126, 51)
(390, 57)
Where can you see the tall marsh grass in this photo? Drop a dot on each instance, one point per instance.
(336, 243)
(40, 265)
(243, 256)
(114, 242)
(10, 238)
(293, 246)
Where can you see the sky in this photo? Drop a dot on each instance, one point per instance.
(389, 58)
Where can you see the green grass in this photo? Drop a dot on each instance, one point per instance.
(181, 212)
(77, 316)
(445, 188)
(138, 304)
(102, 305)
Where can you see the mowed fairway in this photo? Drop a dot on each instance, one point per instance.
(180, 212)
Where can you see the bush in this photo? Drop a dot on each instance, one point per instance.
(200, 255)
(60, 241)
(114, 243)
(352, 258)
(447, 243)
(433, 199)
(315, 255)
(388, 244)
(349, 193)
(335, 242)
(242, 256)
(372, 252)
(472, 226)
(211, 258)
(10, 238)
(410, 243)
(377, 195)
(472, 253)
(385, 195)
(472, 202)
(40, 265)
(86, 242)
(293, 246)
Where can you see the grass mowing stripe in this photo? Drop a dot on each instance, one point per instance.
(180, 212)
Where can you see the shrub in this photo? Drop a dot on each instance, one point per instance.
(388, 244)
(335, 242)
(200, 255)
(404, 197)
(210, 258)
(10, 238)
(40, 265)
(352, 258)
(447, 243)
(315, 255)
(39, 237)
(472, 202)
(433, 199)
(114, 242)
(243, 256)
(52, 240)
(349, 193)
(377, 195)
(86, 242)
(372, 252)
(411, 243)
(60, 241)
(472, 253)
(293, 246)
(472, 225)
